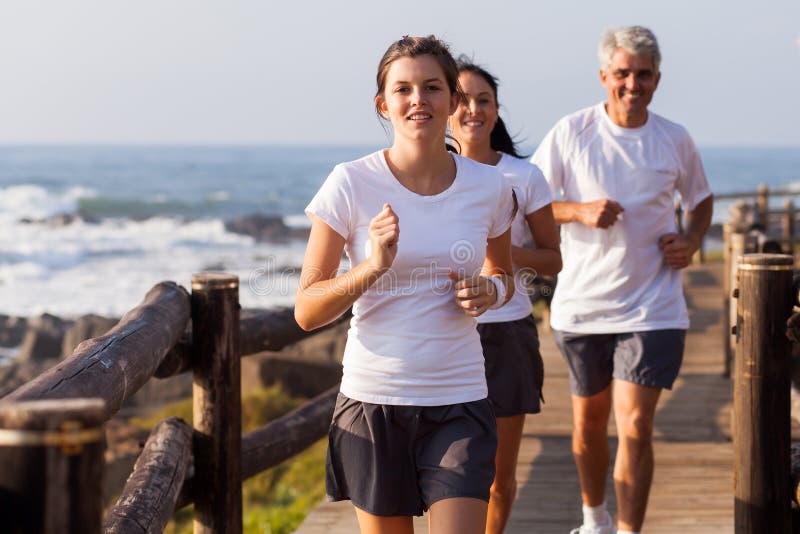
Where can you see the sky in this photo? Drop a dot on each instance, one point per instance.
(300, 72)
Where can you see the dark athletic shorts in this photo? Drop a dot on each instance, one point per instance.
(514, 368)
(651, 358)
(399, 460)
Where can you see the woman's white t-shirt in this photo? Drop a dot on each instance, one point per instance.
(533, 193)
(409, 343)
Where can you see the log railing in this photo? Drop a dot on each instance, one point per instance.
(51, 439)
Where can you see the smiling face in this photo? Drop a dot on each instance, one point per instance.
(474, 120)
(417, 99)
(630, 82)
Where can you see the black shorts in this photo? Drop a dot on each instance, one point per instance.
(651, 358)
(514, 367)
(399, 460)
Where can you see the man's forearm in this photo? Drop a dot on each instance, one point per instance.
(564, 212)
(698, 220)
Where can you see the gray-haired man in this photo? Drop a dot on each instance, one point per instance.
(618, 312)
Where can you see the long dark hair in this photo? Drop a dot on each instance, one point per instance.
(499, 139)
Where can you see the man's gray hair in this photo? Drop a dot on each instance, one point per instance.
(636, 40)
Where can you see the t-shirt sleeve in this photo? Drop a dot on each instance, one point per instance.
(333, 203)
(537, 192)
(692, 182)
(548, 159)
(505, 210)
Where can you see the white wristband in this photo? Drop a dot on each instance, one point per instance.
(500, 291)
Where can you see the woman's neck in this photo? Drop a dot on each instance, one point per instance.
(482, 153)
(425, 170)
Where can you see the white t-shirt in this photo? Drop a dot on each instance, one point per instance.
(533, 193)
(409, 343)
(616, 280)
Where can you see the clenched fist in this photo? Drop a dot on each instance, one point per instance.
(384, 233)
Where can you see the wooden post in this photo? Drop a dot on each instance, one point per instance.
(51, 453)
(727, 230)
(787, 226)
(217, 404)
(761, 395)
(763, 207)
(738, 244)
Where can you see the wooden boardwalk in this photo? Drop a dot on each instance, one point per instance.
(693, 484)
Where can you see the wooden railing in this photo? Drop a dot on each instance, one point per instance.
(51, 428)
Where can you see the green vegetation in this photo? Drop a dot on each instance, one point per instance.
(277, 500)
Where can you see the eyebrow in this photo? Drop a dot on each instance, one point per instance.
(482, 93)
(429, 80)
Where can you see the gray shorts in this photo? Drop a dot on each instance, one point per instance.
(514, 368)
(399, 460)
(651, 358)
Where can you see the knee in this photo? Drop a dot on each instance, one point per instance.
(589, 425)
(504, 490)
(637, 427)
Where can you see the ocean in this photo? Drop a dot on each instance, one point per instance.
(89, 229)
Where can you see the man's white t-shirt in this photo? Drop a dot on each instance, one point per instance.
(409, 342)
(616, 279)
(532, 193)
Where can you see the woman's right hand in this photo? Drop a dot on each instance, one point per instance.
(384, 232)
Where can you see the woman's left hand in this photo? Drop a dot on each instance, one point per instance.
(474, 294)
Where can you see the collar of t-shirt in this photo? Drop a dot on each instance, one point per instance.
(621, 131)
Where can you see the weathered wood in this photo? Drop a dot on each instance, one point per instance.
(753, 194)
(794, 458)
(762, 203)
(738, 245)
(114, 366)
(272, 330)
(217, 409)
(51, 453)
(727, 230)
(148, 499)
(288, 435)
(787, 226)
(278, 440)
(761, 395)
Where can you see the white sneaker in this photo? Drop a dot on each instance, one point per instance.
(608, 528)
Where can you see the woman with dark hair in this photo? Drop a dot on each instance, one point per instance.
(412, 429)
(514, 369)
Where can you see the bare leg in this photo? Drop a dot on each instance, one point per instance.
(590, 444)
(375, 524)
(634, 410)
(460, 515)
(504, 487)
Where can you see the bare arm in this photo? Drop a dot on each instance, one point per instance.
(546, 257)
(322, 296)
(596, 214)
(678, 249)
